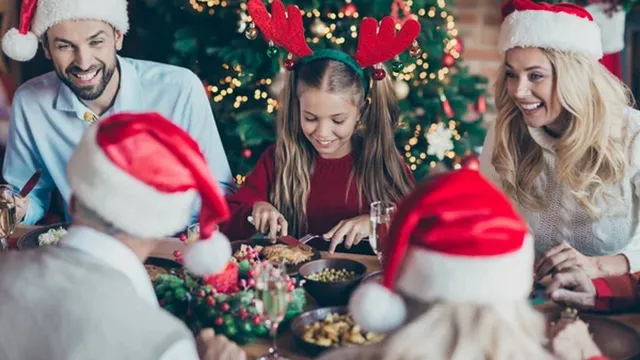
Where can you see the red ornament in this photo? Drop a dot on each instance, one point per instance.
(246, 153)
(177, 254)
(243, 314)
(448, 60)
(471, 162)
(211, 301)
(481, 105)
(219, 321)
(257, 319)
(289, 64)
(291, 287)
(379, 74)
(349, 10)
(225, 307)
(183, 237)
(201, 293)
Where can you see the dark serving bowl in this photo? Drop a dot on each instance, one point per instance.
(331, 293)
(30, 239)
(308, 318)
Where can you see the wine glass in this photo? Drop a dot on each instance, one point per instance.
(272, 291)
(380, 220)
(7, 214)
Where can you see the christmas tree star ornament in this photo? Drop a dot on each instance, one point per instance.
(36, 16)
(377, 42)
(142, 173)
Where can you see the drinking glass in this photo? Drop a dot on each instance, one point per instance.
(7, 214)
(272, 300)
(380, 221)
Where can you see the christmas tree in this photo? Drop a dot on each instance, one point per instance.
(442, 104)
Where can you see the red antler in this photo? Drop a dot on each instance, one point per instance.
(379, 46)
(284, 29)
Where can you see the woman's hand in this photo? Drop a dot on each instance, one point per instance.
(350, 231)
(562, 258)
(570, 340)
(267, 219)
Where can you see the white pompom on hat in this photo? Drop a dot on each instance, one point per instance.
(457, 239)
(142, 173)
(36, 16)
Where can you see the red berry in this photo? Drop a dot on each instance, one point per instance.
(379, 74)
(177, 254)
(289, 64)
(201, 293)
(251, 282)
(183, 237)
(211, 301)
(257, 320)
(243, 313)
(294, 281)
(250, 256)
(219, 321)
(251, 273)
(225, 307)
(291, 287)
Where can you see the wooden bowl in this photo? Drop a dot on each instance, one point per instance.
(308, 318)
(332, 293)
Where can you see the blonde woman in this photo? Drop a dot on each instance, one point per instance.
(564, 145)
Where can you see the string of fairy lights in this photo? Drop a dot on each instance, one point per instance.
(418, 73)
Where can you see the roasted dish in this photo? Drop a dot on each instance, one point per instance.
(338, 330)
(154, 271)
(278, 252)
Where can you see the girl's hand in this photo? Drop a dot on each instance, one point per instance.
(562, 258)
(350, 231)
(267, 219)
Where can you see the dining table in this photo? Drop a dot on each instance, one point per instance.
(617, 334)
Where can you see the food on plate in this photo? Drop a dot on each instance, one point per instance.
(154, 271)
(338, 330)
(281, 252)
(333, 275)
(51, 237)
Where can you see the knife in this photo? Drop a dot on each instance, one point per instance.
(288, 240)
(30, 184)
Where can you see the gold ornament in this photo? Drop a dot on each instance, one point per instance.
(401, 88)
(252, 32)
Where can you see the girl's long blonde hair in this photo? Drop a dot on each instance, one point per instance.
(589, 155)
(465, 331)
(380, 172)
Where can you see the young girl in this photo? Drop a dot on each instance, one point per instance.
(564, 145)
(335, 153)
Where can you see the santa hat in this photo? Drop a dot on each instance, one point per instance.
(563, 26)
(455, 239)
(142, 173)
(36, 16)
(611, 23)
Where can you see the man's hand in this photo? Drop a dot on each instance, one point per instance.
(573, 288)
(570, 340)
(350, 231)
(217, 347)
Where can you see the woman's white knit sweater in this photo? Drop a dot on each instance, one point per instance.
(615, 232)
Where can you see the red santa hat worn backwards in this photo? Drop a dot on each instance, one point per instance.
(563, 26)
(456, 239)
(36, 16)
(142, 173)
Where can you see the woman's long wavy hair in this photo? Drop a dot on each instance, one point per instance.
(380, 173)
(590, 154)
(465, 331)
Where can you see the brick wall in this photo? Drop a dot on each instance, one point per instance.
(478, 24)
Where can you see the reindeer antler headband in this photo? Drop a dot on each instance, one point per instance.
(375, 45)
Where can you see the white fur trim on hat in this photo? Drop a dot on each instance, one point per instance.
(121, 199)
(611, 27)
(377, 309)
(549, 30)
(210, 256)
(52, 12)
(20, 47)
(429, 276)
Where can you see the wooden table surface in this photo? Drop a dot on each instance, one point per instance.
(618, 335)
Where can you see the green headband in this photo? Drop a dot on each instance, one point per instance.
(344, 58)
